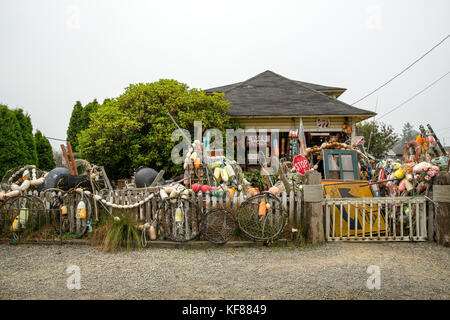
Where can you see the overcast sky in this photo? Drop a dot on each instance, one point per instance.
(53, 53)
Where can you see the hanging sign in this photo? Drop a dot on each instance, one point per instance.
(323, 123)
(301, 164)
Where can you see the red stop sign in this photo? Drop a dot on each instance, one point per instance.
(301, 164)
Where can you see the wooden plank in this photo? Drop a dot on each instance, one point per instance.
(208, 201)
(441, 193)
(314, 213)
(284, 201)
(291, 208)
(158, 177)
(299, 208)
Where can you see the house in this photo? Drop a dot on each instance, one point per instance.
(271, 101)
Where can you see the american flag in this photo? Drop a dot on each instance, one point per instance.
(301, 137)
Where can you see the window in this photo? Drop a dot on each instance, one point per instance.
(340, 164)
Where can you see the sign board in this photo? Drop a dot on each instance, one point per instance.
(323, 123)
(358, 140)
(301, 164)
(352, 189)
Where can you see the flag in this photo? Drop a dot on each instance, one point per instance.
(301, 137)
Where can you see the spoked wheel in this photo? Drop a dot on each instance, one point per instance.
(54, 200)
(218, 226)
(179, 219)
(262, 217)
(24, 217)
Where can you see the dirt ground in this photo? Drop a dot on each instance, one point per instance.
(332, 271)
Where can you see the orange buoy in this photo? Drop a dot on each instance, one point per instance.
(262, 208)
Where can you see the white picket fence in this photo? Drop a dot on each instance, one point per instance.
(377, 219)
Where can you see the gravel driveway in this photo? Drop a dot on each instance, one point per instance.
(333, 271)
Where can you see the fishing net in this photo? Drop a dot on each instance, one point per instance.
(218, 225)
(179, 219)
(262, 224)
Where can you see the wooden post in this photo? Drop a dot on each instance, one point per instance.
(441, 195)
(72, 159)
(313, 208)
(66, 158)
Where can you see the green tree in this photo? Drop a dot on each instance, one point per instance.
(26, 130)
(134, 129)
(74, 124)
(80, 120)
(408, 133)
(381, 136)
(13, 150)
(44, 152)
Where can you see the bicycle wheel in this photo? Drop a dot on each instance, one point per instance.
(265, 226)
(218, 226)
(24, 217)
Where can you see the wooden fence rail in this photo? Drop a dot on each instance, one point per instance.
(292, 202)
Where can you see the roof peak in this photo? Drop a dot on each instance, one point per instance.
(308, 85)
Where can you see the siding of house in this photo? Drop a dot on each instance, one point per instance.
(290, 123)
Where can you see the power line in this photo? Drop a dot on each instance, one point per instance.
(441, 129)
(397, 75)
(56, 139)
(418, 93)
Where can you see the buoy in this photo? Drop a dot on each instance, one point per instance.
(230, 170)
(163, 194)
(196, 187)
(152, 233)
(262, 208)
(197, 163)
(15, 225)
(81, 210)
(224, 175)
(178, 215)
(274, 190)
(217, 172)
(205, 188)
(23, 216)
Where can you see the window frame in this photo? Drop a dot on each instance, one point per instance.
(340, 153)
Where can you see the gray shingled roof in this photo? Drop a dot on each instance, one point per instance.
(317, 87)
(269, 94)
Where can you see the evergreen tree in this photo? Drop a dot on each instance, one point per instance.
(26, 130)
(13, 151)
(44, 152)
(408, 133)
(74, 124)
(80, 120)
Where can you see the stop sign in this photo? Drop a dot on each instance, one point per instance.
(301, 164)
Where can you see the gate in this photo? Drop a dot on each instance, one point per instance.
(376, 219)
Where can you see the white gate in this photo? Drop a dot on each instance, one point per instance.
(377, 219)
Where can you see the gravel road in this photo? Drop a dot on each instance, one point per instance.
(332, 271)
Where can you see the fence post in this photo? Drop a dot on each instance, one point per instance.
(313, 208)
(441, 195)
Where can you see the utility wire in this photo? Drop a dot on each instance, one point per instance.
(403, 71)
(56, 139)
(418, 93)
